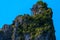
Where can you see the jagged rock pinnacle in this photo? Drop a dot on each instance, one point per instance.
(38, 26)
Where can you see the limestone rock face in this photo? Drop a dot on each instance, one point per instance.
(6, 32)
(38, 26)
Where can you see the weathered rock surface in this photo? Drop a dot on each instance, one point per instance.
(38, 26)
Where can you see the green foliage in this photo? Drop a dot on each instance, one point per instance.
(1, 31)
(35, 25)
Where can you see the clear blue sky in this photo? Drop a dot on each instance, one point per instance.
(9, 9)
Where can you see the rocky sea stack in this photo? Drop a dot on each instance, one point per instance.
(38, 26)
